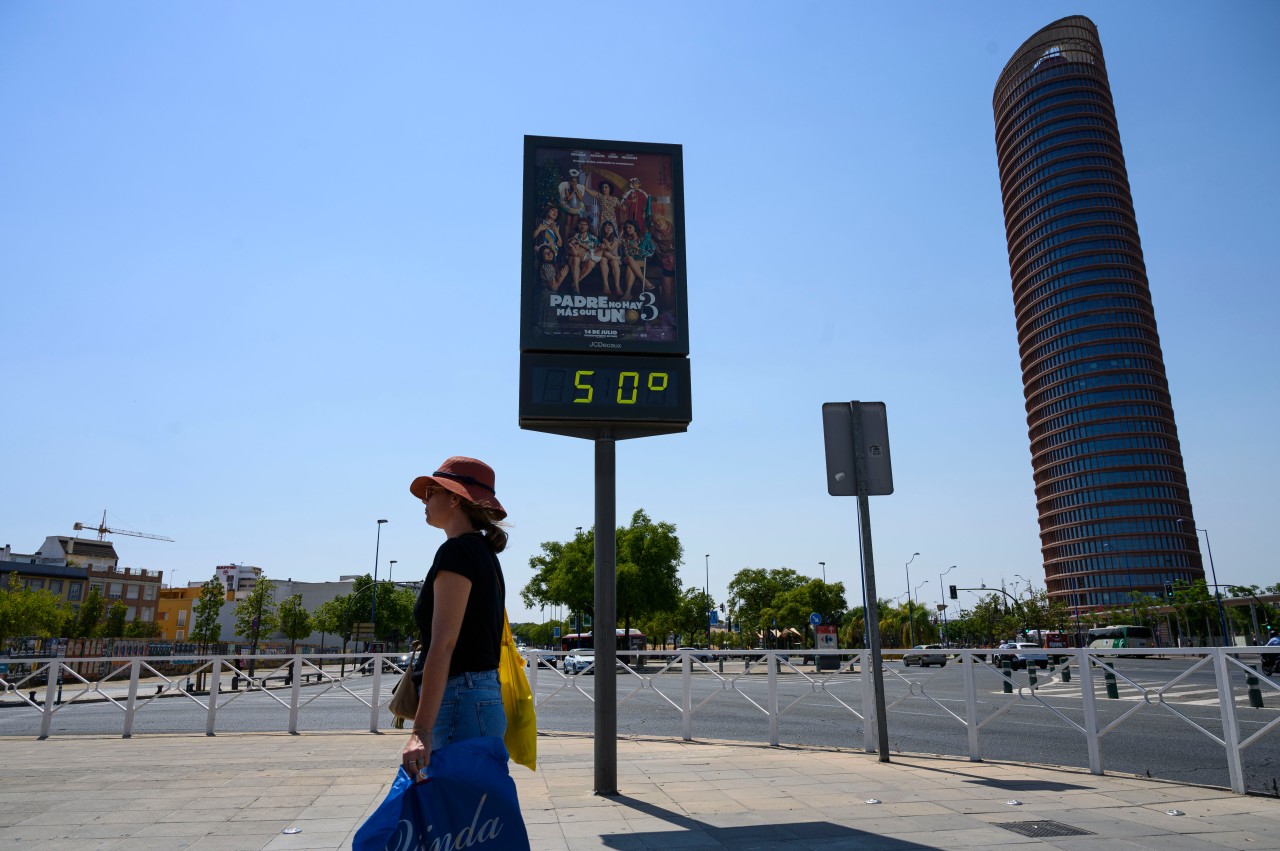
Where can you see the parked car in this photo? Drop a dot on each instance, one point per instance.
(699, 653)
(925, 655)
(1021, 654)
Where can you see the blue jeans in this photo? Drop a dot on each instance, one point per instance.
(471, 706)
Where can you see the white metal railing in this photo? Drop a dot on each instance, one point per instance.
(773, 682)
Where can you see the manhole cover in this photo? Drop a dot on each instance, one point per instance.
(1043, 828)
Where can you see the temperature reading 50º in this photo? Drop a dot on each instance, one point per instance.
(627, 386)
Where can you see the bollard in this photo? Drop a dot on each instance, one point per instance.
(1006, 666)
(1255, 693)
(1066, 672)
(1112, 691)
(235, 682)
(1031, 674)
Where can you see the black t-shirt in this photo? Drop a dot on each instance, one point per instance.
(480, 637)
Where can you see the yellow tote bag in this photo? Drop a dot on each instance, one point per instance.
(521, 738)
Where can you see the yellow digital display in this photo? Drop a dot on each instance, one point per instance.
(604, 388)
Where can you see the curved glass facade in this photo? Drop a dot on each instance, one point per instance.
(1115, 514)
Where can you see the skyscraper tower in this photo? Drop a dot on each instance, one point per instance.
(1115, 513)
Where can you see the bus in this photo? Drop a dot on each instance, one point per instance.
(1051, 638)
(1123, 637)
(575, 640)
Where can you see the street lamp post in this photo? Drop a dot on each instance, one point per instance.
(944, 602)
(373, 613)
(823, 565)
(391, 566)
(911, 619)
(1030, 600)
(916, 595)
(1217, 592)
(706, 597)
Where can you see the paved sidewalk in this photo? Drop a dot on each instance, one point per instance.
(242, 791)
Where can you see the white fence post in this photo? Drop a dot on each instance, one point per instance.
(1230, 725)
(772, 659)
(1090, 705)
(686, 696)
(971, 705)
(375, 696)
(50, 691)
(868, 702)
(295, 696)
(131, 703)
(215, 680)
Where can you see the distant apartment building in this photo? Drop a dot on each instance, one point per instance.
(137, 588)
(38, 572)
(176, 610)
(239, 578)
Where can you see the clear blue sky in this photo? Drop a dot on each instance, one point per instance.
(261, 268)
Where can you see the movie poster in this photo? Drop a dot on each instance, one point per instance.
(603, 253)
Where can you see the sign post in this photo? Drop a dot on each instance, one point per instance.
(856, 435)
(604, 339)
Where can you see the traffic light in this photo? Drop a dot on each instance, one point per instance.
(954, 595)
(722, 607)
(1168, 590)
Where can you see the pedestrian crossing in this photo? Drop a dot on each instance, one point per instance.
(1190, 693)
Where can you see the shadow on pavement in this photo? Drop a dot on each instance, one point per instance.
(751, 836)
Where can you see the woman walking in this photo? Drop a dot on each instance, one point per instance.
(459, 613)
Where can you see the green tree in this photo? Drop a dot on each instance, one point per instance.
(690, 617)
(648, 558)
(28, 612)
(758, 595)
(116, 615)
(295, 621)
(256, 614)
(393, 619)
(795, 605)
(205, 628)
(91, 612)
(138, 628)
(332, 618)
(564, 575)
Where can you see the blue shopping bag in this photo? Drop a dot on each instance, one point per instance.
(467, 801)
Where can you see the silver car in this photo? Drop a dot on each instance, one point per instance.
(925, 655)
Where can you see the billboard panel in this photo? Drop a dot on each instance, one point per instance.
(603, 248)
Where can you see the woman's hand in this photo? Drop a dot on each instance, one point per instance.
(416, 755)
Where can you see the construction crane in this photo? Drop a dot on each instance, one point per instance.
(103, 531)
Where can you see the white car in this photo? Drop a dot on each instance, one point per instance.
(579, 661)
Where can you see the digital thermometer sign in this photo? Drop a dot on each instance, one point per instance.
(604, 388)
(604, 308)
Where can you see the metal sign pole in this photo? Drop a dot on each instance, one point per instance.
(604, 627)
(871, 619)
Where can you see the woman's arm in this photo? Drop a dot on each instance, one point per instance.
(452, 591)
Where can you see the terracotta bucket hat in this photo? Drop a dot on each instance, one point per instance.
(466, 477)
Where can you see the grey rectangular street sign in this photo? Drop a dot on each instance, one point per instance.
(838, 431)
